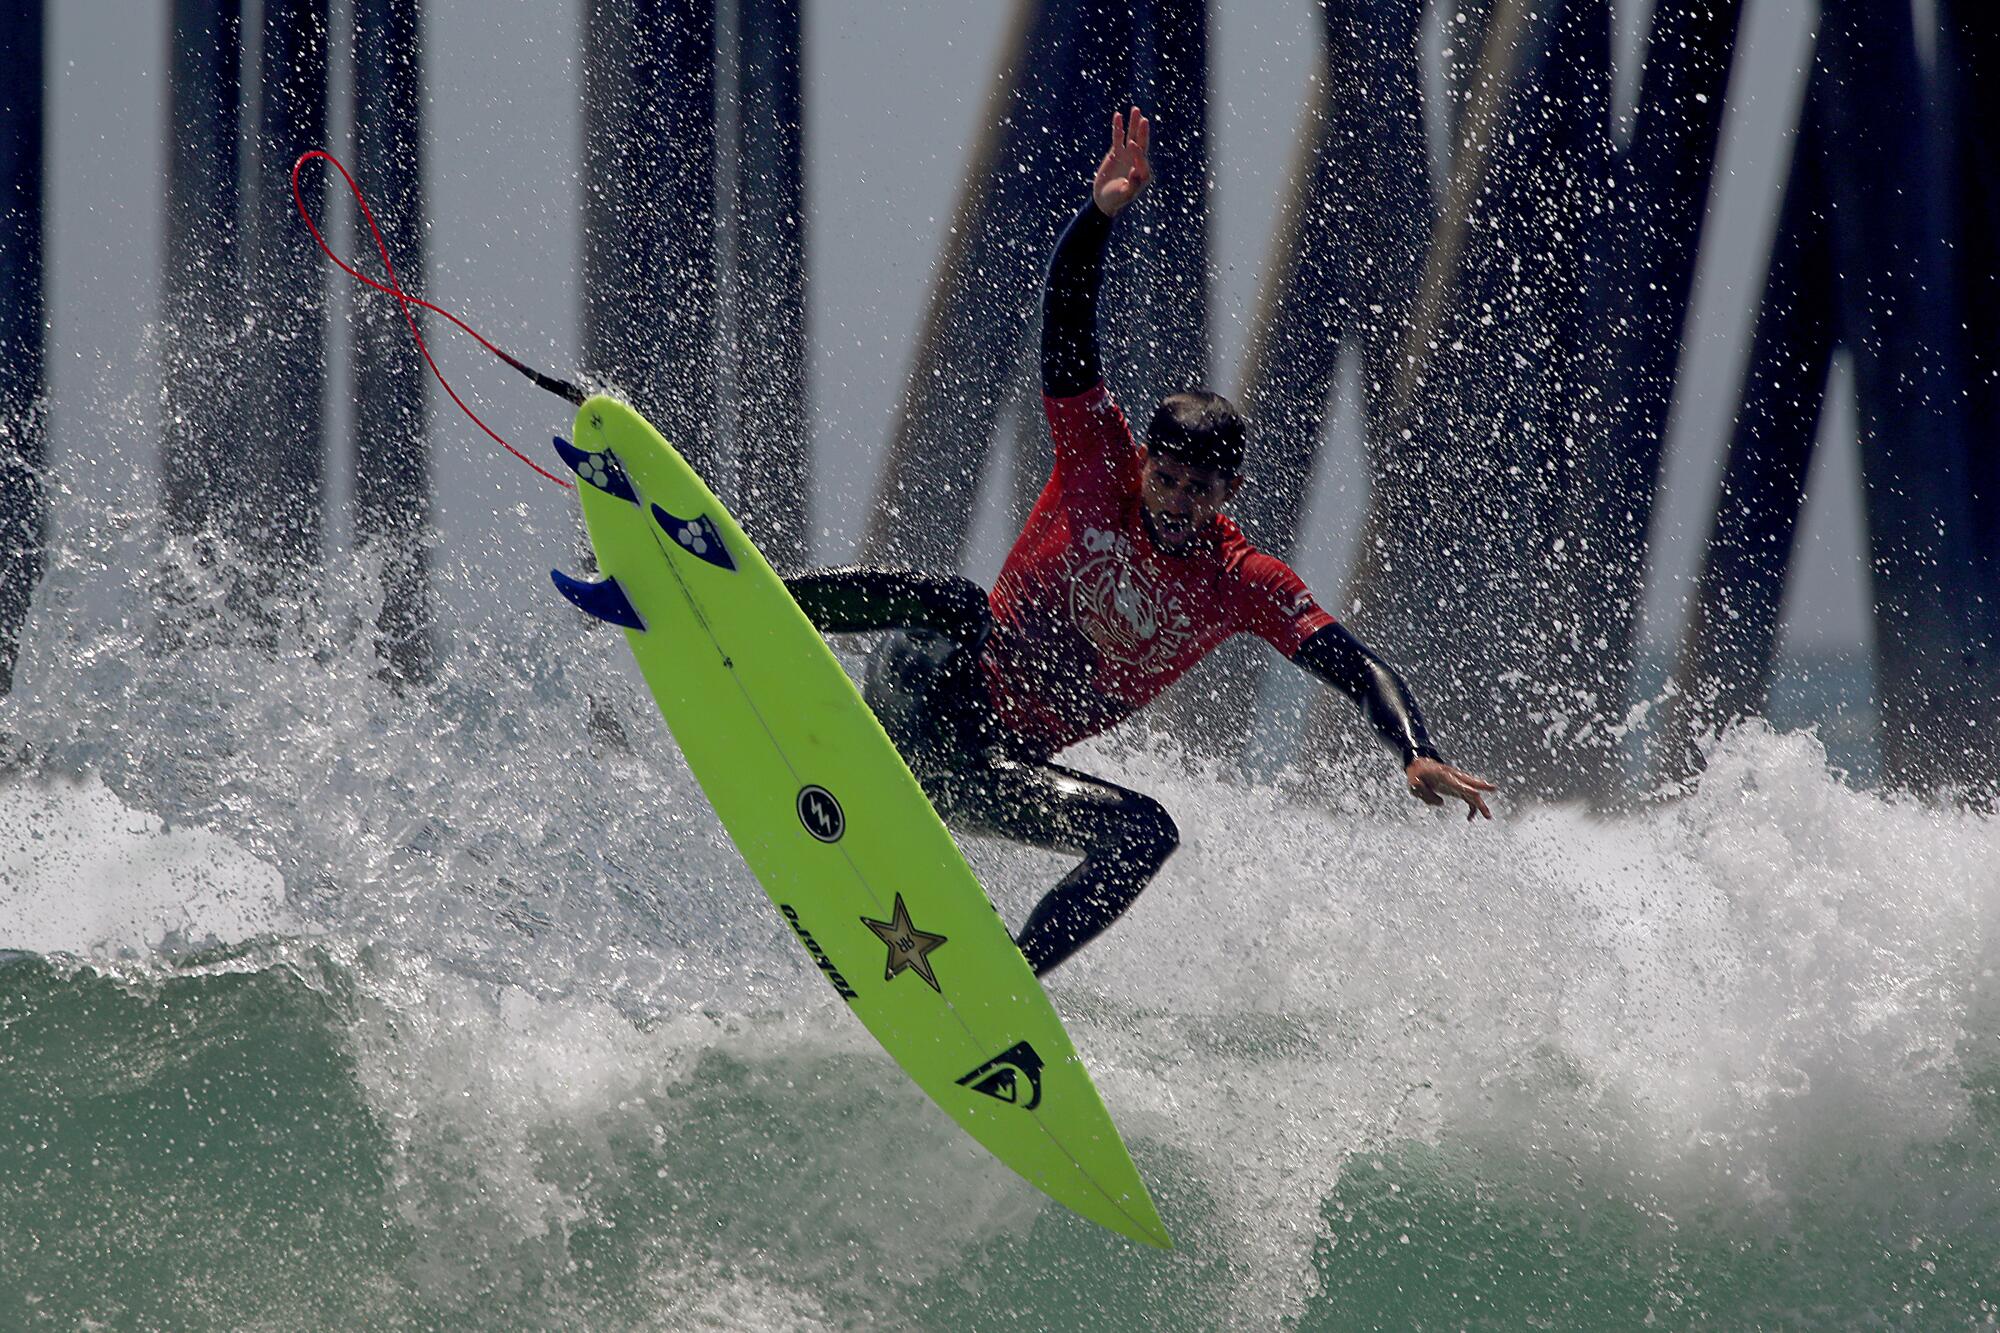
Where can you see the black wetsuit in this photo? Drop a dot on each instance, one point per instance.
(926, 685)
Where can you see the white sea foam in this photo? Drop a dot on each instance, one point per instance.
(1716, 997)
(83, 873)
(1713, 1000)
(577, 1014)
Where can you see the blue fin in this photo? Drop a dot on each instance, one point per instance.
(697, 536)
(602, 470)
(605, 600)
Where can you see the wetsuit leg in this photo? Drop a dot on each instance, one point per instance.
(923, 681)
(1123, 836)
(856, 600)
(934, 708)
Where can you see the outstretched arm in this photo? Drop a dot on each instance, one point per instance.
(1070, 363)
(1343, 661)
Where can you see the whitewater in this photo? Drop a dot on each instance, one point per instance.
(325, 1004)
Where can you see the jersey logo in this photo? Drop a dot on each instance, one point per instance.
(1128, 612)
(909, 948)
(821, 814)
(1014, 1076)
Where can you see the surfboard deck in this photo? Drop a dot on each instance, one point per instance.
(833, 824)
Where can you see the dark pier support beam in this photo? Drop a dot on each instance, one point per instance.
(1347, 258)
(279, 504)
(392, 463)
(1969, 65)
(1473, 560)
(649, 263)
(1888, 185)
(1155, 313)
(202, 341)
(1727, 657)
(1659, 203)
(770, 264)
(1066, 67)
(1426, 468)
(1345, 263)
(23, 392)
(1536, 386)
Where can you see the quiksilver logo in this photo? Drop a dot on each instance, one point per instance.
(1014, 1076)
(821, 814)
(818, 954)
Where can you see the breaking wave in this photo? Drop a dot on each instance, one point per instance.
(328, 1003)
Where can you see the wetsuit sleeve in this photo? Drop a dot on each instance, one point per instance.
(1344, 662)
(1070, 362)
(1095, 455)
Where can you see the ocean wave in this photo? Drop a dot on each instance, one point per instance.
(451, 1006)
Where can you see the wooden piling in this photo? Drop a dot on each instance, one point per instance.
(392, 461)
(1064, 68)
(1969, 77)
(23, 391)
(1887, 177)
(772, 355)
(275, 473)
(203, 343)
(1660, 204)
(649, 264)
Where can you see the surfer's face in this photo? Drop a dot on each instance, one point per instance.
(1180, 499)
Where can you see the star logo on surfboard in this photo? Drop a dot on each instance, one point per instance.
(909, 948)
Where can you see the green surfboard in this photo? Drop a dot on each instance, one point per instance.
(834, 826)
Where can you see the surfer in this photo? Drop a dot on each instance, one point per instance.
(1126, 574)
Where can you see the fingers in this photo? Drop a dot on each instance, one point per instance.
(1475, 804)
(1447, 781)
(1130, 132)
(1467, 788)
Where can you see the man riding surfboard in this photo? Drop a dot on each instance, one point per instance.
(1125, 575)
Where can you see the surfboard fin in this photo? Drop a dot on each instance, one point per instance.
(604, 599)
(698, 536)
(601, 470)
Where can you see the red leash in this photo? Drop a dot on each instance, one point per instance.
(404, 301)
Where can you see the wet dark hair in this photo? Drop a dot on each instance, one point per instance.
(1199, 429)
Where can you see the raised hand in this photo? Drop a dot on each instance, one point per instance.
(1124, 172)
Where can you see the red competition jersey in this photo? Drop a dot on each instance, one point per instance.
(1090, 621)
